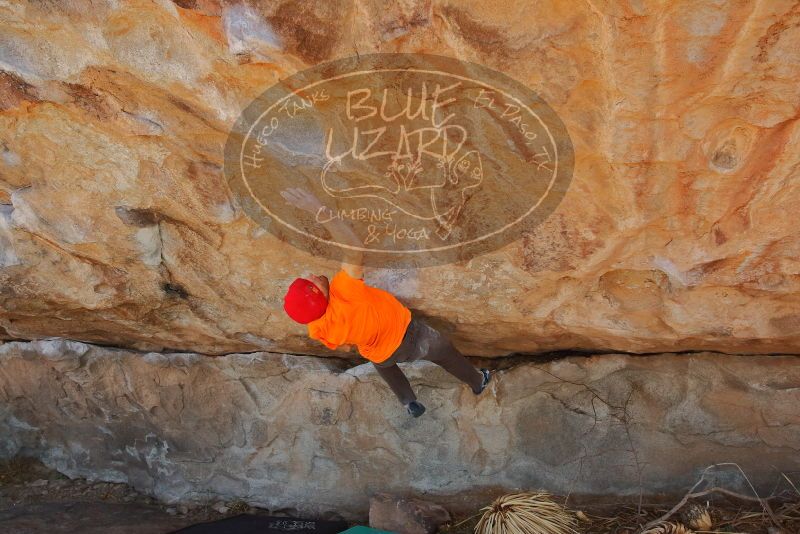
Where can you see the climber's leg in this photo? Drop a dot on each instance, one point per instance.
(444, 354)
(397, 382)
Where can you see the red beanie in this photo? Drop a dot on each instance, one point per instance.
(304, 302)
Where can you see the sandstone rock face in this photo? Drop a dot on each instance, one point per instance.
(678, 230)
(292, 431)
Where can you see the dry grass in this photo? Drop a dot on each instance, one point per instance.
(705, 509)
(20, 470)
(728, 517)
(667, 527)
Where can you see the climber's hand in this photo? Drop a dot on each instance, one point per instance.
(302, 199)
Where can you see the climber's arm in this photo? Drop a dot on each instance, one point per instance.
(352, 262)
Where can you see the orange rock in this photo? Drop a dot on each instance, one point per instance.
(678, 231)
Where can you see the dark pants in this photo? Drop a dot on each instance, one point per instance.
(423, 342)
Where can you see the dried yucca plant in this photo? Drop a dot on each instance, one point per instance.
(526, 513)
(697, 517)
(668, 528)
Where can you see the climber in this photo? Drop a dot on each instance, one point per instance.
(348, 312)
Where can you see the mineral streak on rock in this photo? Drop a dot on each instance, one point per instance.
(296, 431)
(678, 231)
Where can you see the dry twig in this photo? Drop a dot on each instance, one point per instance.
(693, 495)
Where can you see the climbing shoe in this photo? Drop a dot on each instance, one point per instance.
(487, 376)
(415, 408)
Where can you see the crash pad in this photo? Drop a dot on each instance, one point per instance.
(264, 524)
(366, 530)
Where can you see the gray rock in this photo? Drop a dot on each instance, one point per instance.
(308, 434)
(220, 508)
(405, 516)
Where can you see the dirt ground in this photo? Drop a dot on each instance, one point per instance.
(34, 499)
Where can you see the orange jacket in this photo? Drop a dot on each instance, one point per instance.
(357, 314)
